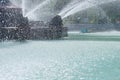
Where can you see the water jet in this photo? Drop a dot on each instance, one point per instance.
(80, 6)
(37, 7)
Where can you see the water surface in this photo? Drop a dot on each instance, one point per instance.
(74, 58)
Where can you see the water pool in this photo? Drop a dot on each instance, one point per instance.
(85, 58)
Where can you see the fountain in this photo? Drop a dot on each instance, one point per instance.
(12, 22)
(13, 25)
(78, 57)
(41, 31)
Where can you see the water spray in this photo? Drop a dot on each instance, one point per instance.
(85, 5)
(36, 8)
(23, 7)
(68, 8)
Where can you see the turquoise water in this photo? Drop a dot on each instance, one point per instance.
(79, 57)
